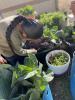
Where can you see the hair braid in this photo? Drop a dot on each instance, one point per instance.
(12, 25)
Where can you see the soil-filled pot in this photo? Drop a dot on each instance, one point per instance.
(58, 61)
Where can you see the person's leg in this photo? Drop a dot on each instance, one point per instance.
(21, 59)
(11, 60)
(14, 59)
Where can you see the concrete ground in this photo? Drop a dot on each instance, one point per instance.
(8, 7)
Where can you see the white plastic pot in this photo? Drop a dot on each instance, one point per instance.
(58, 70)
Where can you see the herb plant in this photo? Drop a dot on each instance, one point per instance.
(52, 23)
(52, 19)
(32, 76)
(27, 10)
(58, 59)
(50, 33)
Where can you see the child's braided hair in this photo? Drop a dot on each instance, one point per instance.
(12, 25)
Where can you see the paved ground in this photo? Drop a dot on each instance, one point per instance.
(9, 3)
(8, 7)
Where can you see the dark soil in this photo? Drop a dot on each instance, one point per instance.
(60, 87)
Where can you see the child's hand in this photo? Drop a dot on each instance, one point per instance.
(32, 51)
(2, 60)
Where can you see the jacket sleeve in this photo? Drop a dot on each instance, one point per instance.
(17, 43)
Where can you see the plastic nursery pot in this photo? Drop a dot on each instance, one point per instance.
(30, 17)
(47, 95)
(60, 69)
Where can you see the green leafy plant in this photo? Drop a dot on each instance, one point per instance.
(52, 19)
(58, 59)
(27, 10)
(45, 19)
(32, 76)
(51, 33)
(69, 34)
(52, 23)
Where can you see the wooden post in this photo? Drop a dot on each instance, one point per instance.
(73, 9)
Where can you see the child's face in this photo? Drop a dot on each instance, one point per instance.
(29, 39)
(26, 38)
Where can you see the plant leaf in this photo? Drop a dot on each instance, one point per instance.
(48, 77)
(35, 95)
(31, 74)
(31, 61)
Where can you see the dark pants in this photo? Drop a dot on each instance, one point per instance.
(14, 59)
